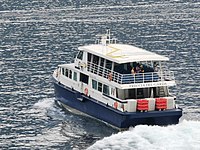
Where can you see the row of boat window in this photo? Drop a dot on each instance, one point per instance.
(99, 61)
(98, 86)
(68, 73)
(85, 79)
(122, 94)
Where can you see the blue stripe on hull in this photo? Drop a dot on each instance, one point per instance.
(114, 117)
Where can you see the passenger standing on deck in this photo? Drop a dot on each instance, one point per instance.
(155, 67)
(133, 70)
(141, 69)
(137, 69)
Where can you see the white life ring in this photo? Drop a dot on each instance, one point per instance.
(115, 105)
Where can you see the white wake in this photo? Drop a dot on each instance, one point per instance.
(183, 136)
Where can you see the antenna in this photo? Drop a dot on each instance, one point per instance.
(105, 39)
(108, 34)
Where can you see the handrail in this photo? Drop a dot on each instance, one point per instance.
(165, 75)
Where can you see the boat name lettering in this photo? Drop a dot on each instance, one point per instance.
(148, 84)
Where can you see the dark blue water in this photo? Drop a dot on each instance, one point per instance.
(36, 36)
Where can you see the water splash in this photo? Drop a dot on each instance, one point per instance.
(47, 108)
(183, 136)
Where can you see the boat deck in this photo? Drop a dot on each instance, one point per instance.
(164, 75)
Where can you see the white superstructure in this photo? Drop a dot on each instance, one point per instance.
(119, 75)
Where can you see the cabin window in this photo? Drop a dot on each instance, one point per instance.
(99, 86)
(141, 93)
(100, 70)
(66, 72)
(131, 94)
(102, 62)
(75, 76)
(89, 57)
(70, 74)
(95, 62)
(106, 90)
(108, 64)
(112, 91)
(95, 59)
(94, 84)
(115, 66)
(84, 78)
(80, 55)
(120, 93)
(122, 68)
(63, 71)
(160, 91)
(118, 68)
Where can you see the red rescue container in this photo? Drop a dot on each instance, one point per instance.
(161, 103)
(142, 105)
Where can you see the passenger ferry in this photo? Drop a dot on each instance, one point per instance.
(119, 84)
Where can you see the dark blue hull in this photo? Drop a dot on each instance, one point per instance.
(110, 115)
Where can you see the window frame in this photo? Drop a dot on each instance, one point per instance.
(95, 59)
(84, 78)
(106, 89)
(94, 84)
(75, 76)
(70, 74)
(66, 72)
(63, 71)
(89, 57)
(108, 64)
(80, 55)
(100, 87)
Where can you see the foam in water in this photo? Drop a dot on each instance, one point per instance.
(183, 136)
(44, 104)
(48, 137)
(44, 109)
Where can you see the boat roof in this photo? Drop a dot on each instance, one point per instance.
(122, 53)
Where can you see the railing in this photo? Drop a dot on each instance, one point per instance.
(162, 75)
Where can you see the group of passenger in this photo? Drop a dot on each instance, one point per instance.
(138, 69)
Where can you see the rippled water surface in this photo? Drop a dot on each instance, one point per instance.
(36, 36)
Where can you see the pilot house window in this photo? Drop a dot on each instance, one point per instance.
(80, 55)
